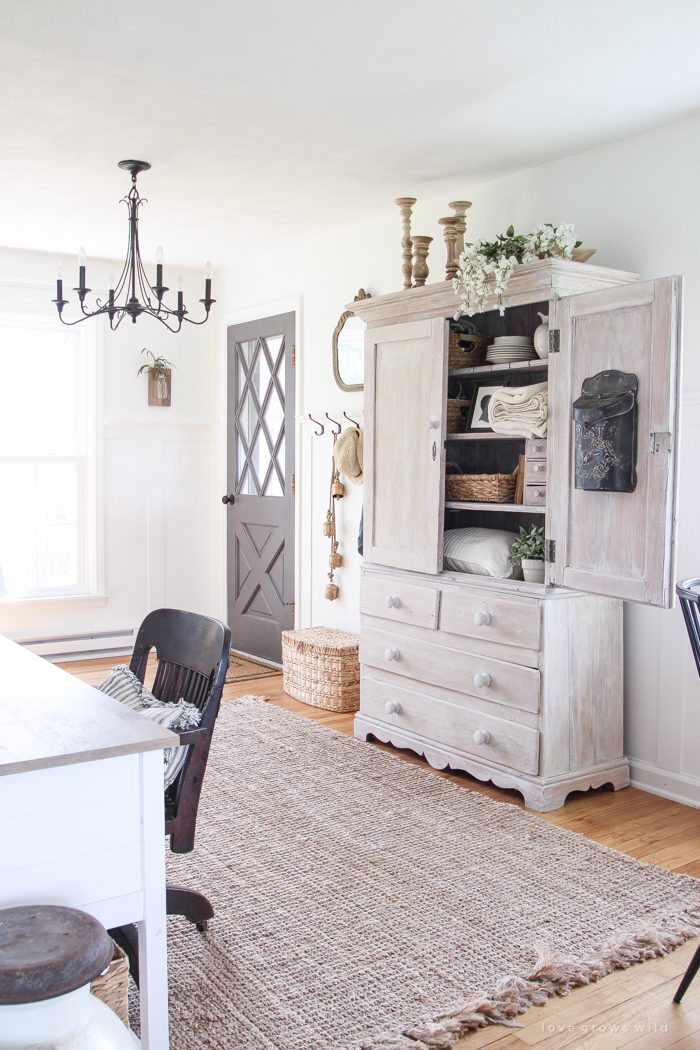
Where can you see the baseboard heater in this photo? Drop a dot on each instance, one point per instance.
(98, 641)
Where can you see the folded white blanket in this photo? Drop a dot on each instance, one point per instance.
(520, 411)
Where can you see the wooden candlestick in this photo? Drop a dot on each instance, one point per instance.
(421, 247)
(450, 234)
(406, 204)
(460, 208)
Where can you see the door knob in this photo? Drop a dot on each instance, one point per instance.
(432, 424)
(392, 602)
(482, 736)
(228, 499)
(482, 618)
(393, 707)
(481, 680)
(391, 654)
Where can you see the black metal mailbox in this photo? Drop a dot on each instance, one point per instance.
(605, 418)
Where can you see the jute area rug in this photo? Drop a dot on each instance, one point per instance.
(241, 668)
(366, 904)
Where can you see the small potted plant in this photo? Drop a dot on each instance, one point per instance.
(158, 371)
(529, 548)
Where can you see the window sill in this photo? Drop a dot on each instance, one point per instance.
(75, 601)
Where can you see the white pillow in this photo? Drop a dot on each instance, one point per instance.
(123, 685)
(481, 552)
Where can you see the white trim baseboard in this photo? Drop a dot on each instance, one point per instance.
(679, 787)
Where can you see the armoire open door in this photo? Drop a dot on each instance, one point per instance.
(618, 544)
(406, 367)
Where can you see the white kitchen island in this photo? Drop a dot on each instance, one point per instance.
(81, 812)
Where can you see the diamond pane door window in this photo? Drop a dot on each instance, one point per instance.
(261, 463)
(42, 460)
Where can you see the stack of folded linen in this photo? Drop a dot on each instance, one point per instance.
(519, 411)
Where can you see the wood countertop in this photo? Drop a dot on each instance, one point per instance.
(50, 718)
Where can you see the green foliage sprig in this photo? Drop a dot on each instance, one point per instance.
(529, 544)
(159, 366)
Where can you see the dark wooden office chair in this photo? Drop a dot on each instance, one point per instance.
(193, 655)
(690, 603)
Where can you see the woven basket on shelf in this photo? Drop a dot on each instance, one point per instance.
(467, 350)
(456, 422)
(321, 667)
(481, 488)
(113, 987)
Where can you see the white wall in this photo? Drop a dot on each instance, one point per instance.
(636, 202)
(156, 465)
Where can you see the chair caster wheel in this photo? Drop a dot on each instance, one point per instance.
(202, 926)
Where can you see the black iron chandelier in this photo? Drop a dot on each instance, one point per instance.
(133, 283)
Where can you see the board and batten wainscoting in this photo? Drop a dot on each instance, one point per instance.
(161, 514)
(662, 687)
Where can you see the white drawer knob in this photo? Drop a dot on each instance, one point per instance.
(482, 736)
(482, 618)
(538, 468)
(539, 493)
(392, 654)
(393, 707)
(392, 602)
(482, 680)
(432, 424)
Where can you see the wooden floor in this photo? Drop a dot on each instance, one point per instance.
(631, 1008)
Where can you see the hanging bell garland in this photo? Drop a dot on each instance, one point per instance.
(337, 491)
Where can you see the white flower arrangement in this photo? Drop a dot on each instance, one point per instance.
(485, 259)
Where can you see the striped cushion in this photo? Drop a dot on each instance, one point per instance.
(123, 685)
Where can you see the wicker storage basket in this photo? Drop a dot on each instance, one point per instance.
(321, 667)
(472, 351)
(113, 987)
(481, 488)
(456, 422)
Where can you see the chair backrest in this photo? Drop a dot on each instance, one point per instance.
(193, 655)
(690, 604)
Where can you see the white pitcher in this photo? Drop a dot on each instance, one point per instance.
(541, 337)
(75, 1021)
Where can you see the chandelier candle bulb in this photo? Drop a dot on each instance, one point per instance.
(82, 263)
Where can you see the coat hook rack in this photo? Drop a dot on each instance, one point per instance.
(351, 420)
(318, 433)
(339, 425)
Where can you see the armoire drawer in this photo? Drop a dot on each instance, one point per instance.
(393, 599)
(508, 743)
(495, 619)
(536, 472)
(502, 683)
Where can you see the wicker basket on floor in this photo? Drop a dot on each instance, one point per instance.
(481, 488)
(321, 668)
(113, 987)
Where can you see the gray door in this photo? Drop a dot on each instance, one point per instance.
(260, 478)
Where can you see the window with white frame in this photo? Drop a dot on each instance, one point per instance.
(47, 504)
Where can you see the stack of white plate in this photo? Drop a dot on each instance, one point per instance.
(511, 348)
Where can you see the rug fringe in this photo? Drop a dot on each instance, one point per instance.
(551, 975)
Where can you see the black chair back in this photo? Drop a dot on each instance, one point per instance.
(690, 604)
(193, 655)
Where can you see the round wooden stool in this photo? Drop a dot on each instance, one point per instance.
(48, 956)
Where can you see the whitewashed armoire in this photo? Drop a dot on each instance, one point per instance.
(517, 683)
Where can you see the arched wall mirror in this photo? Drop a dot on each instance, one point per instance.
(349, 349)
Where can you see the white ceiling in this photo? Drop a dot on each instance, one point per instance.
(269, 120)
